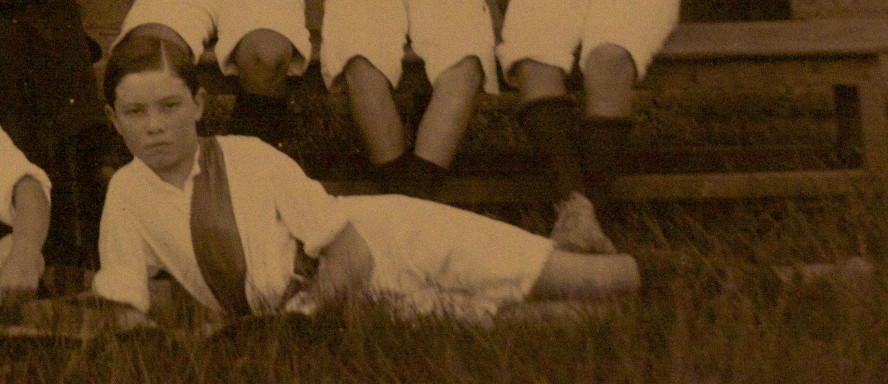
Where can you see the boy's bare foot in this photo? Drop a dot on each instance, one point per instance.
(577, 229)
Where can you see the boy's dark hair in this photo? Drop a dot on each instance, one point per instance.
(147, 53)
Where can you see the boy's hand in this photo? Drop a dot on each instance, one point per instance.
(344, 267)
(21, 271)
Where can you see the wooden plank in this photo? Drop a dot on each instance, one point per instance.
(464, 190)
(778, 38)
(739, 185)
(473, 190)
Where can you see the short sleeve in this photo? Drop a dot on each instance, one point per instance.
(309, 212)
(123, 276)
(13, 167)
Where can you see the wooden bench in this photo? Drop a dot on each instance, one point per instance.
(848, 55)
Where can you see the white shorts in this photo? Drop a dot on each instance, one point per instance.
(549, 31)
(442, 35)
(201, 21)
(426, 253)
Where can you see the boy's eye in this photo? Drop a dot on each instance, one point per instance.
(133, 111)
(171, 104)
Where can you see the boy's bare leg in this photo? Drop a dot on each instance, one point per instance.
(608, 77)
(551, 119)
(539, 80)
(568, 275)
(374, 111)
(447, 116)
(262, 58)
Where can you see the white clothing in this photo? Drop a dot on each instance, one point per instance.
(441, 33)
(549, 31)
(416, 245)
(13, 167)
(436, 258)
(146, 226)
(198, 22)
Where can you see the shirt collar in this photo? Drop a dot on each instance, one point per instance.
(149, 174)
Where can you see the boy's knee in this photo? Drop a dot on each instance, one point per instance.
(608, 59)
(360, 65)
(471, 70)
(465, 74)
(359, 71)
(263, 50)
(160, 31)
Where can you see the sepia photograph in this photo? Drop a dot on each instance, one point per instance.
(444, 191)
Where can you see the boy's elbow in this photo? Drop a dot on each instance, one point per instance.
(28, 188)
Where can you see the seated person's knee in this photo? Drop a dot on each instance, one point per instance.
(609, 58)
(359, 71)
(460, 80)
(264, 50)
(469, 68)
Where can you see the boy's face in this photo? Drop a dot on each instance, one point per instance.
(157, 116)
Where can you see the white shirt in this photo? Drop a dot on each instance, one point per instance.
(425, 253)
(15, 166)
(146, 226)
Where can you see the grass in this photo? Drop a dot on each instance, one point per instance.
(709, 314)
(687, 330)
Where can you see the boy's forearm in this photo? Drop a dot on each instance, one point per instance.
(30, 225)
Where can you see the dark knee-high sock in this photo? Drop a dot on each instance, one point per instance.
(266, 117)
(551, 123)
(427, 178)
(603, 144)
(388, 174)
(410, 175)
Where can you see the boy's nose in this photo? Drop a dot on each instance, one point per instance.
(155, 123)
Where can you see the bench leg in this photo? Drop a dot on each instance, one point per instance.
(874, 124)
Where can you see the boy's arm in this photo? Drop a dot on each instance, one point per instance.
(23, 267)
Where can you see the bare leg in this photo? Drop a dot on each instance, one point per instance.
(568, 275)
(447, 115)
(608, 77)
(262, 58)
(539, 80)
(374, 110)
(552, 120)
(850, 269)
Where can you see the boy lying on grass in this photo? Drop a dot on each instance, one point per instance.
(24, 222)
(228, 218)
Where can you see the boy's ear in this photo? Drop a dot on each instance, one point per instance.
(109, 112)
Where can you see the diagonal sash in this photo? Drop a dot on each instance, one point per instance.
(214, 233)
